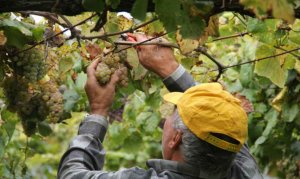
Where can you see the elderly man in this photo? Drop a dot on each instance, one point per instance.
(204, 138)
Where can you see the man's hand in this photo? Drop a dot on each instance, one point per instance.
(100, 97)
(158, 59)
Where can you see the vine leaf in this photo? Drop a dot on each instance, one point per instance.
(282, 9)
(139, 9)
(93, 5)
(270, 68)
(279, 8)
(44, 128)
(277, 101)
(188, 45)
(93, 49)
(175, 14)
(245, 103)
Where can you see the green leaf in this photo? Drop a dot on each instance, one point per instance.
(270, 68)
(143, 117)
(139, 9)
(15, 37)
(16, 24)
(246, 74)
(192, 27)
(204, 7)
(70, 97)
(290, 112)
(152, 122)
(44, 128)
(169, 12)
(271, 117)
(113, 3)
(133, 143)
(81, 80)
(65, 65)
(188, 63)
(256, 26)
(10, 121)
(93, 5)
(38, 33)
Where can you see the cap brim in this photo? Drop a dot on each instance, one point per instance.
(173, 97)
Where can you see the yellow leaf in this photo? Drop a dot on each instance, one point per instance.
(276, 102)
(186, 45)
(3, 39)
(283, 10)
(270, 67)
(297, 66)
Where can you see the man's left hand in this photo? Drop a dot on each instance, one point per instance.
(100, 97)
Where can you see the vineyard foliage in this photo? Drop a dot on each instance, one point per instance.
(43, 73)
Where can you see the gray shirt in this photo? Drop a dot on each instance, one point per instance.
(85, 156)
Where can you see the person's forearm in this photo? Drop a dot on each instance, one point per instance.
(85, 152)
(179, 80)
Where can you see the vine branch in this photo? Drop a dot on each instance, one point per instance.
(143, 42)
(220, 66)
(120, 32)
(47, 15)
(259, 59)
(231, 36)
(48, 38)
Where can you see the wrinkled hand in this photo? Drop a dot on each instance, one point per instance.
(100, 97)
(158, 59)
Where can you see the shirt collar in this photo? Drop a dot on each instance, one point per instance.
(160, 165)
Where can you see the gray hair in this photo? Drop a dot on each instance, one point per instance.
(200, 153)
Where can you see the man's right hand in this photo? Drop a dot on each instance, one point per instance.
(158, 59)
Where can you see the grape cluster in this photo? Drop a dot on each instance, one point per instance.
(21, 99)
(29, 64)
(33, 104)
(108, 65)
(53, 100)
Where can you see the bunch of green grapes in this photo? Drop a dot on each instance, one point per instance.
(33, 104)
(29, 64)
(54, 101)
(21, 98)
(106, 68)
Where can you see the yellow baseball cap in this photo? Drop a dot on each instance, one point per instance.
(207, 109)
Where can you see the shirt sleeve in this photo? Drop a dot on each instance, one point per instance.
(179, 81)
(85, 157)
(244, 166)
(85, 151)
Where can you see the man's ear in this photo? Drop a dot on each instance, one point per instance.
(176, 140)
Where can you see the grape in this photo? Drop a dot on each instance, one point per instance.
(103, 73)
(29, 64)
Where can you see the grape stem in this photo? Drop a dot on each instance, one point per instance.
(165, 44)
